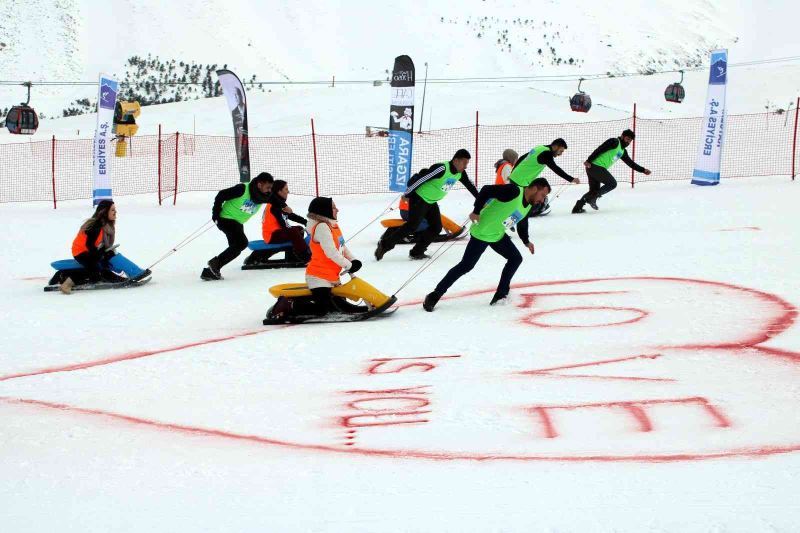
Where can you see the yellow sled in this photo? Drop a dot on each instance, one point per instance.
(356, 290)
(448, 225)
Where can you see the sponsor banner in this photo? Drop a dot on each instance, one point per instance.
(712, 136)
(234, 93)
(101, 149)
(401, 123)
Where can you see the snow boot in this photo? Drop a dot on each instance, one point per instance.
(592, 201)
(417, 257)
(430, 301)
(578, 207)
(499, 299)
(66, 286)
(381, 250)
(211, 273)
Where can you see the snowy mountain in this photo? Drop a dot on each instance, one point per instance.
(280, 41)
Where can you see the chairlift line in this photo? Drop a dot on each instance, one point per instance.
(476, 79)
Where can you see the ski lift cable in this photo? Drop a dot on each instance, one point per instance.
(484, 79)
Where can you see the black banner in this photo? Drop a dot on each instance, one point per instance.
(233, 90)
(401, 123)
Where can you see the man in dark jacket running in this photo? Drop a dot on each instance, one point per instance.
(425, 189)
(597, 164)
(232, 208)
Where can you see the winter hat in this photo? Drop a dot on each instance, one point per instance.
(321, 206)
(510, 155)
(628, 133)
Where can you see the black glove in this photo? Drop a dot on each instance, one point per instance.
(106, 255)
(355, 266)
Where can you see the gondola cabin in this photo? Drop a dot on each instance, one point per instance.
(675, 91)
(22, 118)
(580, 101)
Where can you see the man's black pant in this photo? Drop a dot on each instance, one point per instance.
(599, 176)
(237, 240)
(473, 252)
(418, 210)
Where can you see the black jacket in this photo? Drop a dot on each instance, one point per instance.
(503, 193)
(235, 192)
(276, 205)
(546, 158)
(436, 171)
(610, 144)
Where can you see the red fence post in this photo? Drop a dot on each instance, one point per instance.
(633, 149)
(175, 193)
(476, 148)
(794, 140)
(314, 145)
(53, 168)
(159, 164)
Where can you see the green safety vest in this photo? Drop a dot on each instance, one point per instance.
(434, 190)
(609, 157)
(497, 217)
(530, 168)
(240, 209)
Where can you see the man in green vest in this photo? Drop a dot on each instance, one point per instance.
(597, 164)
(530, 165)
(497, 208)
(232, 208)
(425, 189)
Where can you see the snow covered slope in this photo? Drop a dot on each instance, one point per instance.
(357, 40)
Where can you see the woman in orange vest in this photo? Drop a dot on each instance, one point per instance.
(274, 225)
(93, 242)
(329, 257)
(504, 167)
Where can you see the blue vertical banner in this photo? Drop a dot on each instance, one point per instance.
(101, 166)
(401, 123)
(712, 135)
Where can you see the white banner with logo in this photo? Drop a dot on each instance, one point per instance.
(106, 100)
(712, 137)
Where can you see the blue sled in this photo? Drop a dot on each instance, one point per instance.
(262, 256)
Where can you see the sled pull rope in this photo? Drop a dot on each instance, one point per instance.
(371, 222)
(189, 238)
(442, 248)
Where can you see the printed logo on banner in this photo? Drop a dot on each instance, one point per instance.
(399, 159)
(403, 76)
(402, 117)
(719, 69)
(403, 96)
(108, 94)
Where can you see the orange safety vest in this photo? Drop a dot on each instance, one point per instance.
(79, 244)
(498, 177)
(269, 224)
(321, 266)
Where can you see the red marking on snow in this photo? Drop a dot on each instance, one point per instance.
(378, 401)
(529, 298)
(404, 454)
(776, 324)
(745, 228)
(33, 278)
(384, 364)
(549, 372)
(635, 409)
(388, 418)
(532, 318)
(130, 356)
(411, 390)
